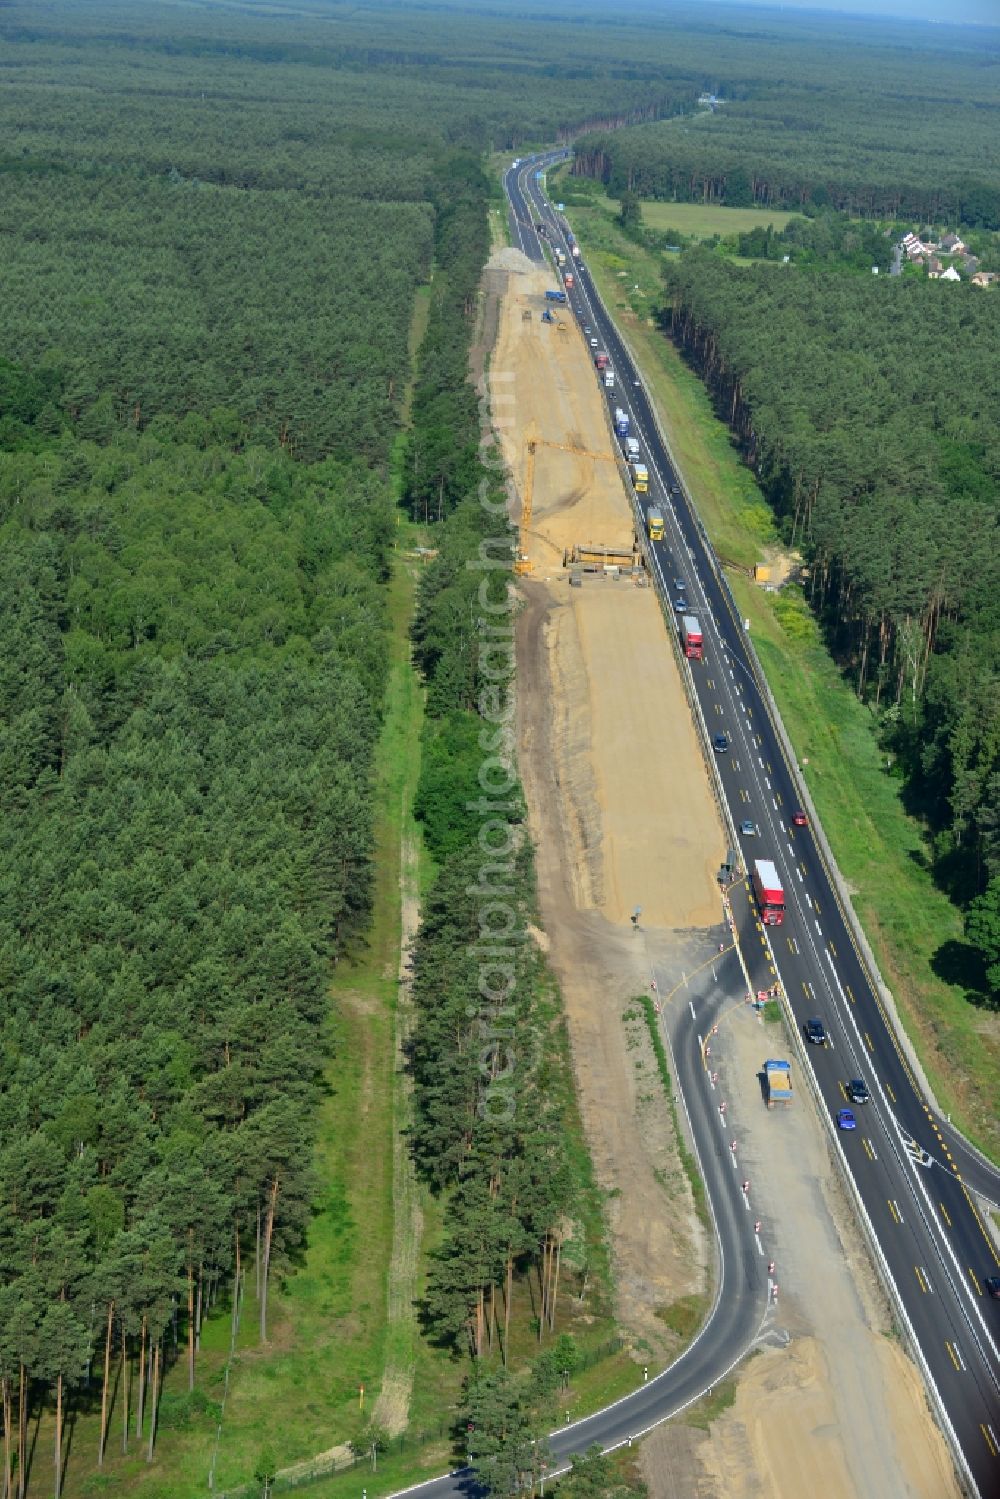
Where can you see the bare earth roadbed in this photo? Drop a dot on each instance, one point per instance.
(622, 816)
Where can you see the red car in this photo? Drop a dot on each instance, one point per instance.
(799, 820)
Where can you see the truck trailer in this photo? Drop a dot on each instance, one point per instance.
(640, 477)
(768, 893)
(654, 523)
(568, 278)
(777, 1082)
(632, 449)
(601, 361)
(621, 422)
(555, 296)
(691, 638)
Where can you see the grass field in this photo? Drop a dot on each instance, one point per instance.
(880, 849)
(692, 220)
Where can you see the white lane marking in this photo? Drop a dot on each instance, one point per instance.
(691, 1008)
(587, 297)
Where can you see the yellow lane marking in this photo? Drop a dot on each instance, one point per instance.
(988, 1435)
(870, 1043)
(944, 1213)
(890, 1092)
(894, 1210)
(982, 1228)
(920, 1280)
(951, 1354)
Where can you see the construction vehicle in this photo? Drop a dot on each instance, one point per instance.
(691, 637)
(768, 892)
(547, 316)
(654, 523)
(640, 477)
(777, 1082)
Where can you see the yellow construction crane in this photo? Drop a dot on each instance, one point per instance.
(523, 564)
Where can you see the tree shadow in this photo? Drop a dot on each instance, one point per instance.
(961, 964)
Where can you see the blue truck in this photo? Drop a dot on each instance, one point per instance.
(555, 296)
(621, 422)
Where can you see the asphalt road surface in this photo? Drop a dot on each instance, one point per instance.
(911, 1172)
(741, 1312)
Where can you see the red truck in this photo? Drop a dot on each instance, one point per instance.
(691, 637)
(768, 893)
(569, 280)
(601, 360)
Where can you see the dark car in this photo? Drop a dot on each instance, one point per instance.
(799, 819)
(816, 1032)
(992, 1286)
(857, 1092)
(748, 829)
(846, 1120)
(720, 744)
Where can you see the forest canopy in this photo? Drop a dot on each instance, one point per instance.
(870, 121)
(885, 467)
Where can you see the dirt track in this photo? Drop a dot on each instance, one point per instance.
(622, 816)
(620, 809)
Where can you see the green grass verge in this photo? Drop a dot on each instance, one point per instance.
(685, 1316)
(880, 850)
(687, 1159)
(711, 1406)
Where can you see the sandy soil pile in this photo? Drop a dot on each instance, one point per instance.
(620, 810)
(622, 816)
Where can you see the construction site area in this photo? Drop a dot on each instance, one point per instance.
(624, 820)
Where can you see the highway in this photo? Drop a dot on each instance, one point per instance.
(741, 1314)
(909, 1172)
